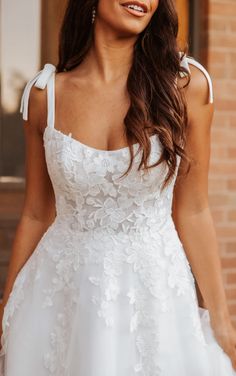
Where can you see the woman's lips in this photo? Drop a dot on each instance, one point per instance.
(140, 11)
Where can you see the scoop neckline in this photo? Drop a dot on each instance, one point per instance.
(85, 146)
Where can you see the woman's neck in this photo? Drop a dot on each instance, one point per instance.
(110, 57)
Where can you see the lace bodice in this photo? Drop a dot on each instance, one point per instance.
(90, 194)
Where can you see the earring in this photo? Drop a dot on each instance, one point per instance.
(93, 14)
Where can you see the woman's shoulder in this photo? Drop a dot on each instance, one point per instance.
(200, 85)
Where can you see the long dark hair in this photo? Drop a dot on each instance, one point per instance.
(157, 104)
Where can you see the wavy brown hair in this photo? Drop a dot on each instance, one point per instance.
(157, 105)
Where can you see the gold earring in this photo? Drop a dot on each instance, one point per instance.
(93, 14)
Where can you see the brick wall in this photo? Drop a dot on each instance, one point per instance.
(222, 179)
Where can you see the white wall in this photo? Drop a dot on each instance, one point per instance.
(20, 47)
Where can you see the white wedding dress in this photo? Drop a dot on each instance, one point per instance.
(108, 290)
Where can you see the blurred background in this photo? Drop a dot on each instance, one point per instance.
(29, 39)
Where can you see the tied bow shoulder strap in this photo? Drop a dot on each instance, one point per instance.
(186, 60)
(40, 80)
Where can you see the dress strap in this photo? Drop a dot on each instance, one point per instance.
(45, 77)
(186, 60)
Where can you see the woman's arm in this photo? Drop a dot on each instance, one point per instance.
(192, 215)
(39, 203)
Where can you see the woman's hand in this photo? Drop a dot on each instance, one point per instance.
(225, 335)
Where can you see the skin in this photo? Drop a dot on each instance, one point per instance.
(102, 75)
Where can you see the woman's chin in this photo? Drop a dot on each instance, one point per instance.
(129, 29)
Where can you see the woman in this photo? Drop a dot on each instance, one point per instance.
(105, 287)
